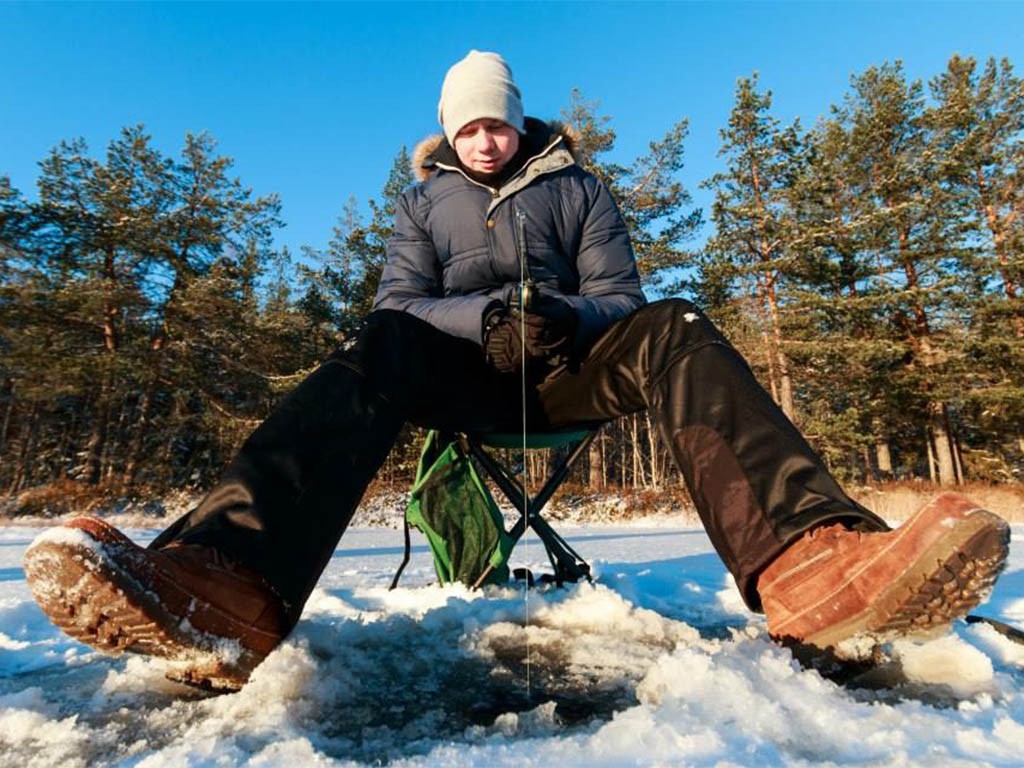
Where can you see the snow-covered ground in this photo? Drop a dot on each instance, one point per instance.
(656, 663)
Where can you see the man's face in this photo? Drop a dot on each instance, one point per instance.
(486, 145)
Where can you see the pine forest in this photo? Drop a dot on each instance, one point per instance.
(869, 267)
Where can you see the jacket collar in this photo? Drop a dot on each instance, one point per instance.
(551, 146)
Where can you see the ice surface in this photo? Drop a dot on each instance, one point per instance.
(657, 663)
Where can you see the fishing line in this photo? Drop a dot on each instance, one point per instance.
(524, 298)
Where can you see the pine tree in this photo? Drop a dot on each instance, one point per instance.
(979, 125)
(101, 217)
(909, 234)
(840, 341)
(753, 216)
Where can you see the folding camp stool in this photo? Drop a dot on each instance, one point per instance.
(567, 564)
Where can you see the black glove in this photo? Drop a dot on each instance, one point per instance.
(546, 332)
(503, 344)
(550, 328)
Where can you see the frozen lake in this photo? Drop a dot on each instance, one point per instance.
(656, 663)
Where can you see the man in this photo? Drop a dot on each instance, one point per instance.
(502, 205)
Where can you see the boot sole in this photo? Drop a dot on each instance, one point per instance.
(952, 577)
(88, 596)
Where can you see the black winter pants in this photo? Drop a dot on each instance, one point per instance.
(285, 500)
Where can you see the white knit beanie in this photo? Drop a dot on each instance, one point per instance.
(479, 86)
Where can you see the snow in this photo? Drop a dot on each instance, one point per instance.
(656, 664)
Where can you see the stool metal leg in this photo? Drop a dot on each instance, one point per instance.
(567, 564)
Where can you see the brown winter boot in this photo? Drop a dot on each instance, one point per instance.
(215, 620)
(833, 584)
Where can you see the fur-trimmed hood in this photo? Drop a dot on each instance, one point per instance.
(543, 136)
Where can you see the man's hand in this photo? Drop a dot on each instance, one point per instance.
(546, 332)
(550, 327)
(503, 344)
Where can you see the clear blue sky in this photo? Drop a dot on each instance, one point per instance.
(314, 100)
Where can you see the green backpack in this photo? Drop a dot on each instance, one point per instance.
(452, 506)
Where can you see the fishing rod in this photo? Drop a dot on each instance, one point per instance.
(524, 301)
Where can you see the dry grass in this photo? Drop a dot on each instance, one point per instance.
(898, 501)
(892, 501)
(63, 498)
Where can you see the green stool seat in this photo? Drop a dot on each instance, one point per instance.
(534, 441)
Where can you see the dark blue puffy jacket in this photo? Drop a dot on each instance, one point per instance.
(455, 248)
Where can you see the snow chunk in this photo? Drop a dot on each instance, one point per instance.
(945, 661)
(32, 733)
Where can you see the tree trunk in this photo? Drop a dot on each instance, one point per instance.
(634, 440)
(98, 437)
(8, 411)
(595, 460)
(552, 458)
(958, 462)
(652, 443)
(622, 463)
(883, 457)
(767, 251)
(115, 443)
(928, 441)
(138, 438)
(22, 471)
(606, 475)
(67, 439)
(940, 456)
(868, 471)
(766, 338)
(168, 451)
(786, 389)
(781, 364)
(945, 465)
